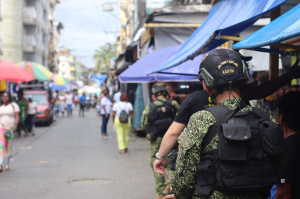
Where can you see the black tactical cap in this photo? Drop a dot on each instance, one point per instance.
(223, 67)
(159, 88)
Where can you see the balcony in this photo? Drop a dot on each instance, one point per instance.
(29, 41)
(29, 44)
(29, 15)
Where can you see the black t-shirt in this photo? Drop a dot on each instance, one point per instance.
(193, 103)
(291, 163)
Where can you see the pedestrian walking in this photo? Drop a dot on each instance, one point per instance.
(82, 105)
(105, 112)
(117, 96)
(23, 104)
(9, 119)
(122, 114)
(69, 101)
(206, 149)
(288, 115)
(32, 110)
(157, 117)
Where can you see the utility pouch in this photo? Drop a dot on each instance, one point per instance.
(161, 126)
(151, 136)
(205, 181)
(174, 156)
(232, 141)
(273, 138)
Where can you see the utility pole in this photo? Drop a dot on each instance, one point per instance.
(76, 69)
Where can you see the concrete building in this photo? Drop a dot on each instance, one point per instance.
(24, 32)
(66, 64)
(69, 66)
(54, 36)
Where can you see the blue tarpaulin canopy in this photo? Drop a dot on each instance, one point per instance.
(99, 79)
(228, 17)
(59, 87)
(137, 73)
(283, 28)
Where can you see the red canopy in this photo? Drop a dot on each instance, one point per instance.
(13, 73)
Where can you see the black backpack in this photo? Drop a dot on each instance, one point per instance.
(123, 115)
(160, 118)
(245, 158)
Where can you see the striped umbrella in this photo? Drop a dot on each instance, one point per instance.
(13, 73)
(58, 80)
(40, 72)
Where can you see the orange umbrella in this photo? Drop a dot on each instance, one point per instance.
(13, 73)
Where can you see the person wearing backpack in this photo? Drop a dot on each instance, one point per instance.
(227, 151)
(9, 119)
(157, 117)
(122, 114)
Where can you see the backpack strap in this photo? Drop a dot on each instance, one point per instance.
(222, 114)
(261, 113)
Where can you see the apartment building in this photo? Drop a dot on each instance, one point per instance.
(54, 36)
(66, 65)
(25, 31)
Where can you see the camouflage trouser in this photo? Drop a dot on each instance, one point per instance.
(160, 180)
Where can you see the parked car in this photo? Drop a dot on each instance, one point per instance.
(44, 105)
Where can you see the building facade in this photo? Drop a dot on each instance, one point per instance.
(25, 30)
(66, 64)
(54, 36)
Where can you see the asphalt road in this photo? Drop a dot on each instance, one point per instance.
(69, 159)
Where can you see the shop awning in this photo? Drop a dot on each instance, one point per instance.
(137, 73)
(122, 68)
(281, 29)
(228, 17)
(99, 79)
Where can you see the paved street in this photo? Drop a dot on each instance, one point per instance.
(70, 160)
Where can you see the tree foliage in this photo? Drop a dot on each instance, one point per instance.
(103, 55)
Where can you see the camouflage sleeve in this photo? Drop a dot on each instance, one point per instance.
(273, 119)
(145, 118)
(185, 176)
(175, 105)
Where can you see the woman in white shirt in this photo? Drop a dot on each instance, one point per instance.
(121, 111)
(69, 102)
(105, 112)
(9, 119)
(32, 110)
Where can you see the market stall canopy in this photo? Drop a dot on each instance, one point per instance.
(228, 17)
(40, 72)
(281, 29)
(59, 87)
(13, 73)
(137, 73)
(99, 79)
(58, 80)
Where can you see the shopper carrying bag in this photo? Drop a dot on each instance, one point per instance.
(122, 114)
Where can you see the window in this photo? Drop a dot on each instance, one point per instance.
(38, 98)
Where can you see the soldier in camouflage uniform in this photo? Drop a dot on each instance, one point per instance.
(160, 92)
(185, 176)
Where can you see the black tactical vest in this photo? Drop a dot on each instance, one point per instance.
(160, 118)
(245, 158)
